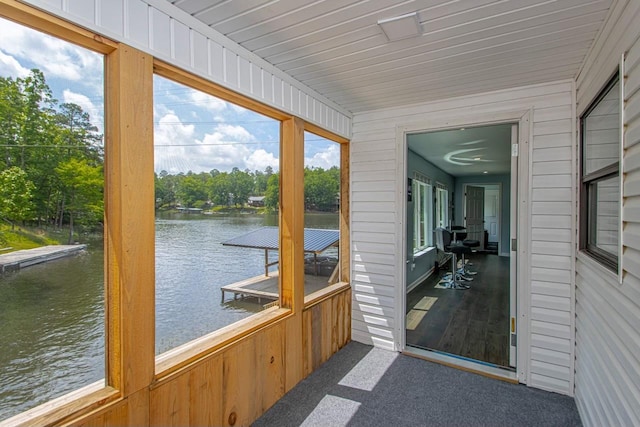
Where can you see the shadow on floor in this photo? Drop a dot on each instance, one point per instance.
(366, 386)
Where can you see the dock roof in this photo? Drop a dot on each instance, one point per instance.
(315, 240)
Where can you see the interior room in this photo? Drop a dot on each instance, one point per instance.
(449, 171)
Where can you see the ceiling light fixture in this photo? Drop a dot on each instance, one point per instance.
(401, 27)
(485, 172)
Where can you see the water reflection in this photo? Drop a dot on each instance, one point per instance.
(52, 326)
(52, 315)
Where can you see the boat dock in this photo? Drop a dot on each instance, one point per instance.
(14, 261)
(266, 287)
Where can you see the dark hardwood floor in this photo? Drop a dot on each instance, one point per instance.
(472, 323)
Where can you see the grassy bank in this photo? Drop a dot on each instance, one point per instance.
(28, 238)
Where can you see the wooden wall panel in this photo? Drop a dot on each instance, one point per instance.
(170, 403)
(205, 403)
(240, 375)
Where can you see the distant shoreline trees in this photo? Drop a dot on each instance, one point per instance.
(233, 189)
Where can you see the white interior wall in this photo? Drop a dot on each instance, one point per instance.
(607, 386)
(377, 245)
(168, 33)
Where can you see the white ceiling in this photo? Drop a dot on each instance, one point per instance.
(467, 46)
(484, 150)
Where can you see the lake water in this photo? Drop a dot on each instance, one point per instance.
(52, 314)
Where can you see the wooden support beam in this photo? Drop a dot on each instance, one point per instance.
(292, 214)
(129, 220)
(345, 241)
(292, 243)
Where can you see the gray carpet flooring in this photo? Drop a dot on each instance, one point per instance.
(366, 386)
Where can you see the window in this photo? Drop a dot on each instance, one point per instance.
(52, 314)
(442, 206)
(422, 209)
(321, 212)
(216, 208)
(600, 198)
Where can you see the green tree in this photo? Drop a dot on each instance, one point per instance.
(192, 189)
(77, 133)
(272, 195)
(241, 183)
(321, 188)
(219, 189)
(16, 193)
(83, 187)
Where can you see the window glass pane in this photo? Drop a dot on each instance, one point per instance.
(322, 212)
(601, 133)
(422, 215)
(604, 215)
(51, 202)
(217, 180)
(442, 207)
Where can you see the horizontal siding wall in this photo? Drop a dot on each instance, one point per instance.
(168, 33)
(377, 252)
(608, 313)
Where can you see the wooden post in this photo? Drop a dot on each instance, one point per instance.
(129, 220)
(292, 243)
(292, 214)
(345, 241)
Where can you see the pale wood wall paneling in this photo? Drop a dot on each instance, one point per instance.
(168, 33)
(608, 313)
(236, 384)
(552, 198)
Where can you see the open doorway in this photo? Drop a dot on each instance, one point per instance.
(460, 293)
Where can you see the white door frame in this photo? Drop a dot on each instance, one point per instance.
(523, 119)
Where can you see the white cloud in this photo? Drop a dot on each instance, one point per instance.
(235, 132)
(178, 149)
(95, 112)
(206, 101)
(260, 159)
(325, 159)
(11, 67)
(55, 57)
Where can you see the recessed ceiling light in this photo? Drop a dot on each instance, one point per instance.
(400, 27)
(476, 158)
(461, 128)
(485, 172)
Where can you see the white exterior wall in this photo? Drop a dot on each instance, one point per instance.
(607, 387)
(166, 32)
(377, 246)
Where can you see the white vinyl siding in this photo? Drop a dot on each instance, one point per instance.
(607, 385)
(168, 33)
(552, 201)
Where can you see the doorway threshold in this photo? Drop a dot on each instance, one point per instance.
(464, 364)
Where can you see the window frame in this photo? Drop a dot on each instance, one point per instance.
(439, 189)
(422, 216)
(588, 185)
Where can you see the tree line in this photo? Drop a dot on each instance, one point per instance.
(51, 158)
(233, 189)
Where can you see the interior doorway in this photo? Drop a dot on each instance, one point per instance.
(471, 319)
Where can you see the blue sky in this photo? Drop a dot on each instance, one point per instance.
(193, 131)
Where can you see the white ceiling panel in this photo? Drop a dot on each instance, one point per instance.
(466, 46)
